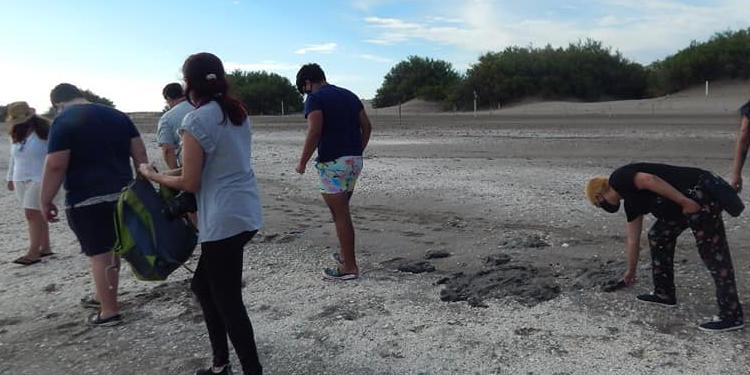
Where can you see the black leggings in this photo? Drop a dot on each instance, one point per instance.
(218, 285)
(708, 229)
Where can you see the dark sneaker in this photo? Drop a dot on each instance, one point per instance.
(337, 258)
(209, 371)
(653, 298)
(334, 274)
(96, 320)
(718, 325)
(90, 303)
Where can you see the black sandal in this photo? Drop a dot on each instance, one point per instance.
(26, 261)
(96, 320)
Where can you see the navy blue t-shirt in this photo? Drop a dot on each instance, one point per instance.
(342, 135)
(98, 138)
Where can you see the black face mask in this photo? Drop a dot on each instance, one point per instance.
(609, 207)
(301, 86)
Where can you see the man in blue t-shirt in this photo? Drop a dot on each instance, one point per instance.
(339, 129)
(90, 148)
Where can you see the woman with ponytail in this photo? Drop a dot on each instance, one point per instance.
(216, 140)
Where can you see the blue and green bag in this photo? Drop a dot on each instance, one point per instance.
(148, 238)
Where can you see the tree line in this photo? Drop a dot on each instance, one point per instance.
(585, 71)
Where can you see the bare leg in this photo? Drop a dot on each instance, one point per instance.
(106, 278)
(37, 230)
(339, 206)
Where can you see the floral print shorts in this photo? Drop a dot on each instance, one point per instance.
(339, 175)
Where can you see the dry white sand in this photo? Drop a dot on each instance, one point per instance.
(473, 187)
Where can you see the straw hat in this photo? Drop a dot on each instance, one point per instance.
(595, 186)
(18, 113)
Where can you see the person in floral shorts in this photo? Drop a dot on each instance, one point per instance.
(679, 198)
(339, 129)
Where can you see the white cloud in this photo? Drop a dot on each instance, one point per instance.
(375, 58)
(268, 65)
(319, 48)
(642, 30)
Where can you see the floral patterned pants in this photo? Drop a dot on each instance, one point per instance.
(708, 228)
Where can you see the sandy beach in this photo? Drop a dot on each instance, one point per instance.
(500, 193)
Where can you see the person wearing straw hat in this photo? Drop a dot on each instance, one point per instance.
(28, 136)
(679, 198)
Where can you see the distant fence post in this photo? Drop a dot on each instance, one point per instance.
(707, 88)
(399, 113)
(475, 103)
(282, 107)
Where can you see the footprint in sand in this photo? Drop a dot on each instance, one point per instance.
(10, 322)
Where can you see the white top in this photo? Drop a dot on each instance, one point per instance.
(27, 159)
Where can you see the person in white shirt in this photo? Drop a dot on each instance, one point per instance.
(28, 136)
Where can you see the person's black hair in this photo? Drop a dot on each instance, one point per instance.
(205, 80)
(311, 72)
(172, 91)
(64, 92)
(745, 110)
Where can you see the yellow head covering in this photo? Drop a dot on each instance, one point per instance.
(597, 185)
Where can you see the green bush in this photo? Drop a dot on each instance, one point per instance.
(262, 93)
(416, 77)
(585, 71)
(725, 56)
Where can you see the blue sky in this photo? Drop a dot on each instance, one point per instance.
(128, 50)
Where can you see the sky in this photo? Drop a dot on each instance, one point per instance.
(128, 50)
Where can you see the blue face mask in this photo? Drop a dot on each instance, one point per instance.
(609, 207)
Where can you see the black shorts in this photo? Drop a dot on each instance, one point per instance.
(94, 227)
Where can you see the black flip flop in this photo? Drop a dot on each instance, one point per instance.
(47, 254)
(24, 261)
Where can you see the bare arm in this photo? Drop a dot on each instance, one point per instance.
(314, 130)
(170, 155)
(740, 153)
(55, 166)
(192, 167)
(632, 248)
(647, 181)
(366, 126)
(138, 152)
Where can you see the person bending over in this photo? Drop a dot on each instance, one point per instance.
(679, 198)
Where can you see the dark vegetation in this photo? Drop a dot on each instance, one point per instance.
(264, 93)
(585, 71)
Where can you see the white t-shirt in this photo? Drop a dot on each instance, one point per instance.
(27, 159)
